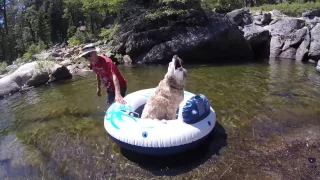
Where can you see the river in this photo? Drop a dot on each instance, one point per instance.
(268, 118)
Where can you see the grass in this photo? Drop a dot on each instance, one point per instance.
(293, 9)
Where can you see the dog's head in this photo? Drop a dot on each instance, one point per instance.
(176, 71)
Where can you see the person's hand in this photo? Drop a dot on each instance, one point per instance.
(120, 99)
(98, 92)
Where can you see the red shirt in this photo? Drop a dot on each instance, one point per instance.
(104, 68)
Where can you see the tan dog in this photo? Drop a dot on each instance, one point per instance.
(169, 93)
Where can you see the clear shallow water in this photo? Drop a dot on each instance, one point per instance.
(268, 126)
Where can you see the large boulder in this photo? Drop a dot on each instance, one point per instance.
(287, 35)
(241, 17)
(302, 51)
(185, 29)
(32, 74)
(257, 36)
(314, 51)
(311, 13)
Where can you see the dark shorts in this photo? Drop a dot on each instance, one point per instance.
(112, 96)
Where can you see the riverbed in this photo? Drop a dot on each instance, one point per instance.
(268, 127)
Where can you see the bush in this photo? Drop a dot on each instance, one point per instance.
(71, 31)
(290, 9)
(3, 66)
(34, 49)
(80, 37)
(222, 6)
(108, 34)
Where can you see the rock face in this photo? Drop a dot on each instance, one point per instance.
(311, 13)
(257, 36)
(314, 51)
(32, 74)
(287, 34)
(240, 17)
(302, 51)
(187, 31)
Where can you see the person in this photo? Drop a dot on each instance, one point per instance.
(107, 73)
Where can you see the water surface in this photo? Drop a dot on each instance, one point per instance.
(268, 127)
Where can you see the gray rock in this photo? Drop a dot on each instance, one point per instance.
(266, 18)
(302, 51)
(66, 62)
(311, 13)
(42, 56)
(259, 23)
(312, 22)
(247, 19)
(11, 68)
(240, 16)
(256, 35)
(285, 46)
(32, 74)
(276, 12)
(285, 26)
(314, 51)
(127, 59)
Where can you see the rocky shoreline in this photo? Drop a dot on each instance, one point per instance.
(192, 33)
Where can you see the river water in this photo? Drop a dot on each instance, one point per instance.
(268, 118)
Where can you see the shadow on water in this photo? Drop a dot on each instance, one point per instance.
(173, 165)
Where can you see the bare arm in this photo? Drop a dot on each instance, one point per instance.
(116, 84)
(99, 82)
(98, 86)
(119, 97)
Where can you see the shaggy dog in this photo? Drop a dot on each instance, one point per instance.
(169, 93)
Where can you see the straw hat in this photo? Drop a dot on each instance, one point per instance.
(88, 49)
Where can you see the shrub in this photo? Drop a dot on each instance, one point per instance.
(71, 31)
(108, 34)
(80, 37)
(3, 66)
(34, 49)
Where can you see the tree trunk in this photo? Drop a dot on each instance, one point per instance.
(31, 31)
(3, 44)
(92, 25)
(8, 39)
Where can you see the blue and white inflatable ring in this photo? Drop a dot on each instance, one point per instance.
(195, 120)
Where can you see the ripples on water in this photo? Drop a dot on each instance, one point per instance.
(56, 131)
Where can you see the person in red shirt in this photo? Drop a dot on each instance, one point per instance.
(107, 73)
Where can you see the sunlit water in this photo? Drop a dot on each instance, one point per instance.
(267, 113)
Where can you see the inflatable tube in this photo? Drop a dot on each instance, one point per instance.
(195, 120)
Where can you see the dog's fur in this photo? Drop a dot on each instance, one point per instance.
(169, 93)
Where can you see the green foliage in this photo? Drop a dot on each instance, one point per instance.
(80, 37)
(27, 56)
(108, 34)
(166, 12)
(3, 66)
(71, 31)
(222, 6)
(290, 9)
(34, 49)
